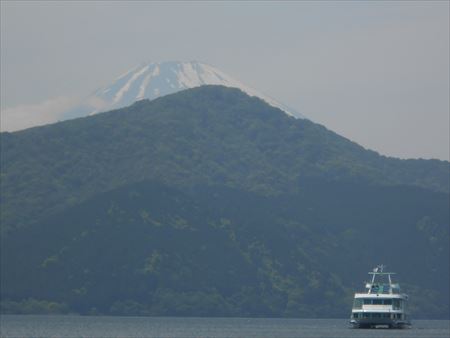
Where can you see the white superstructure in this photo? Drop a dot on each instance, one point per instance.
(382, 304)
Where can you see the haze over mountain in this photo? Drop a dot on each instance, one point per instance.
(212, 202)
(156, 79)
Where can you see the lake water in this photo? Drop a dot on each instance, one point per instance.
(102, 326)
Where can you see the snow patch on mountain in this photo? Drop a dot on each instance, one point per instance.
(152, 80)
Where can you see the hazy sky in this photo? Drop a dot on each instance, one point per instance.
(374, 72)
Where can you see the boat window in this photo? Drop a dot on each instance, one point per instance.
(377, 301)
(398, 315)
(387, 302)
(366, 315)
(396, 304)
(355, 315)
(384, 288)
(367, 301)
(376, 315)
(357, 303)
(386, 315)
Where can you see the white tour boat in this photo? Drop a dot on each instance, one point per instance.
(382, 305)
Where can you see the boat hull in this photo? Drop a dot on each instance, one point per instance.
(371, 323)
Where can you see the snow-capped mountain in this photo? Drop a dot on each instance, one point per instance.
(152, 80)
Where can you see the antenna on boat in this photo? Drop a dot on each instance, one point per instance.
(374, 274)
(378, 269)
(388, 273)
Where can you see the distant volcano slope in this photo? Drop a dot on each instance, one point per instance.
(156, 79)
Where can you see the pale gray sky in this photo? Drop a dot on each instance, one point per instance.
(374, 72)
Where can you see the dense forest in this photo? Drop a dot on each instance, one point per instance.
(209, 202)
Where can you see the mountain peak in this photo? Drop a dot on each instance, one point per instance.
(150, 80)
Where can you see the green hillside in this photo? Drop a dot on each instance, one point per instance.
(207, 135)
(210, 202)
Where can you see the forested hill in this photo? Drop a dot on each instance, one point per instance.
(211, 202)
(207, 135)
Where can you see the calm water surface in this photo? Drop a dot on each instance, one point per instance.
(79, 326)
